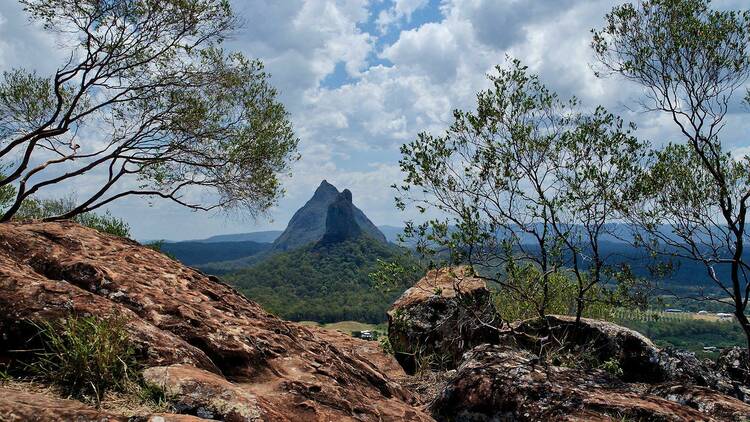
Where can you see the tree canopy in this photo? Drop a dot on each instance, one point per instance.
(150, 103)
(691, 61)
(529, 184)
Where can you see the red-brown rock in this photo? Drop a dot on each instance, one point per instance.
(443, 315)
(20, 406)
(502, 383)
(179, 316)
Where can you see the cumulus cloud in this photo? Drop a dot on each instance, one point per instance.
(360, 78)
(400, 10)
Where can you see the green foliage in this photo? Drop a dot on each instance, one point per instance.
(691, 60)
(390, 275)
(154, 395)
(682, 332)
(529, 184)
(158, 246)
(324, 284)
(169, 109)
(385, 345)
(85, 356)
(519, 296)
(198, 253)
(612, 366)
(5, 375)
(40, 209)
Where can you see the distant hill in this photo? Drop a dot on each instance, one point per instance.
(267, 236)
(308, 224)
(200, 253)
(323, 282)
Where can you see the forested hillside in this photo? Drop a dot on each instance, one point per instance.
(323, 283)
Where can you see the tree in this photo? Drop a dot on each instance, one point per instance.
(150, 103)
(691, 60)
(600, 161)
(528, 185)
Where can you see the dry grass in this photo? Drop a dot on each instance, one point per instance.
(425, 385)
(130, 403)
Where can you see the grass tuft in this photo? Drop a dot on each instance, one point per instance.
(85, 356)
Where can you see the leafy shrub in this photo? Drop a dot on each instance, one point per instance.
(85, 356)
(518, 298)
(612, 366)
(385, 345)
(39, 209)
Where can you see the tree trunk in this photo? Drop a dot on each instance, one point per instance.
(579, 309)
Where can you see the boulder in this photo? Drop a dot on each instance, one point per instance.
(181, 318)
(204, 394)
(17, 405)
(503, 383)
(720, 407)
(733, 362)
(22, 406)
(599, 341)
(439, 318)
(731, 366)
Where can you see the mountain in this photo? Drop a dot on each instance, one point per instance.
(391, 232)
(267, 236)
(340, 222)
(327, 278)
(324, 281)
(308, 224)
(201, 253)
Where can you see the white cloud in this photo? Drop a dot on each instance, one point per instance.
(400, 10)
(351, 129)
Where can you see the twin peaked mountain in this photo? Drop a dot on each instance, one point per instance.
(328, 217)
(319, 268)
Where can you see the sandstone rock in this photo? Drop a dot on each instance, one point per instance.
(204, 394)
(20, 406)
(444, 314)
(636, 355)
(368, 351)
(731, 366)
(500, 383)
(715, 404)
(179, 316)
(733, 362)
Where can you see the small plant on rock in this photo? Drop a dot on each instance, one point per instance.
(612, 366)
(85, 356)
(385, 345)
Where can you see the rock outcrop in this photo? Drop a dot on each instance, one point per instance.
(502, 383)
(25, 406)
(550, 368)
(602, 341)
(194, 333)
(444, 314)
(340, 222)
(308, 224)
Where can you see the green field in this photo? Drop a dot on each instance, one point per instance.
(348, 327)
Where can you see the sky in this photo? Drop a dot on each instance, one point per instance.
(362, 77)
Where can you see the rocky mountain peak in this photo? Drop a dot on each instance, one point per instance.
(325, 190)
(340, 222)
(310, 223)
